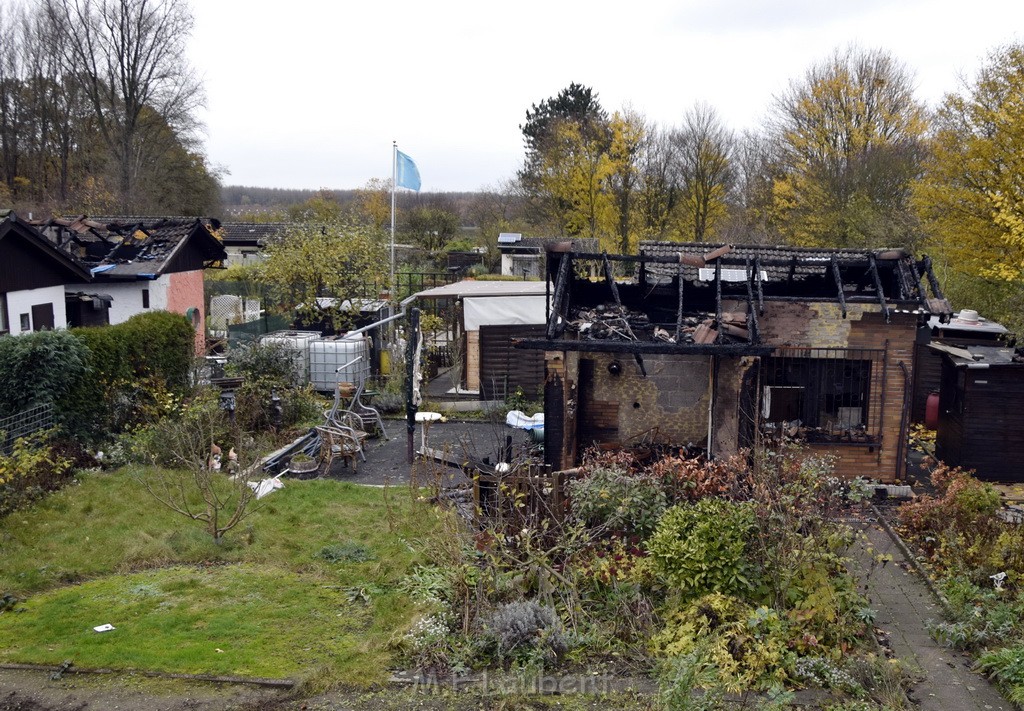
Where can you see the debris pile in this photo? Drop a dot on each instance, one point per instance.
(611, 322)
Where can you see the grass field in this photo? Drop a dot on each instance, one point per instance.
(267, 602)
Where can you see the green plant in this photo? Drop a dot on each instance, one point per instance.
(617, 500)
(34, 466)
(347, 552)
(748, 647)
(702, 548)
(38, 368)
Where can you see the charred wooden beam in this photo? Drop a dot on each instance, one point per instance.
(716, 253)
(918, 287)
(933, 282)
(760, 290)
(561, 288)
(640, 363)
(718, 300)
(679, 308)
(873, 268)
(611, 280)
(839, 283)
(642, 276)
(728, 261)
(792, 271)
(643, 347)
(753, 328)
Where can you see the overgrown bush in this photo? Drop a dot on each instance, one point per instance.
(527, 631)
(39, 368)
(135, 369)
(959, 529)
(35, 466)
(748, 647)
(701, 548)
(268, 369)
(617, 501)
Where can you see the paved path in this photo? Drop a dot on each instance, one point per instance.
(904, 604)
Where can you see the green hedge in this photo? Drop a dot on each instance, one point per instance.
(101, 380)
(39, 368)
(133, 365)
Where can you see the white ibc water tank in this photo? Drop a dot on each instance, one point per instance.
(297, 342)
(327, 355)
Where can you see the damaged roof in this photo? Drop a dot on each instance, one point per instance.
(689, 297)
(134, 248)
(251, 234)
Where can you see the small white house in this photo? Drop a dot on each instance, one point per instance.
(32, 277)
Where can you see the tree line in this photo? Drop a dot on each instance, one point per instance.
(97, 109)
(848, 158)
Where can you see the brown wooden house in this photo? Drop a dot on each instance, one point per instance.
(717, 347)
(981, 425)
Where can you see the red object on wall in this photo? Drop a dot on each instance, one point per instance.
(931, 411)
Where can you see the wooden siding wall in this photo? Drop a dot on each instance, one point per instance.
(23, 267)
(504, 368)
(979, 428)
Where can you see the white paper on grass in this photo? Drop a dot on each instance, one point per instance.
(104, 628)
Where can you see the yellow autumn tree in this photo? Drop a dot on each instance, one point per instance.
(575, 171)
(703, 157)
(848, 136)
(971, 195)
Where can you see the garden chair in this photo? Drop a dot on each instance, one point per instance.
(335, 443)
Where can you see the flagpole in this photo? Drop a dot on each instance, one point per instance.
(394, 181)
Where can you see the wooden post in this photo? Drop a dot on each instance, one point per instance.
(410, 374)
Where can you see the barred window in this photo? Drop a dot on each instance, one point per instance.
(830, 393)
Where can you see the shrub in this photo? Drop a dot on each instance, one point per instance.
(630, 503)
(701, 548)
(135, 369)
(518, 628)
(38, 368)
(268, 368)
(689, 479)
(748, 647)
(34, 467)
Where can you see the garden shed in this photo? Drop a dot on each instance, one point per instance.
(965, 328)
(718, 347)
(485, 315)
(979, 428)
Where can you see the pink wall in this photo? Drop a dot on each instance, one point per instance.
(185, 291)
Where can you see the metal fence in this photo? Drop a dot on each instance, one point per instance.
(25, 423)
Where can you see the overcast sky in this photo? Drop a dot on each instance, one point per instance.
(311, 93)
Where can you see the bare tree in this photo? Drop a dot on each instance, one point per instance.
(130, 57)
(659, 182)
(704, 149)
(220, 497)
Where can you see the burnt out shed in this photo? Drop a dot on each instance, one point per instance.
(718, 347)
(980, 427)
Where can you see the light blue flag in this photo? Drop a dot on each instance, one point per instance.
(406, 174)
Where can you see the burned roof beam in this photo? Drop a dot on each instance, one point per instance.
(753, 328)
(718, 301)
(644, 348)
(611, 280)
(921, 298)
(760, 290)
(839, 283)
(679, 308)
(640, 364)
(561, 289)
(873, 269)
(727, 260)
(933, 281)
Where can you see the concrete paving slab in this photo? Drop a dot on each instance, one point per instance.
(905, 605)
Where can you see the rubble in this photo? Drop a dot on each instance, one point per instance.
(612, 322)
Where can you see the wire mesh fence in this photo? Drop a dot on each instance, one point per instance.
(25, 423)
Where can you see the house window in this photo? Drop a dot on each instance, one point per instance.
(26, 323)
(145, 298)
(826, 394)
(4, 326)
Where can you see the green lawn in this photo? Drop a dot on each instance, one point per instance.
(264, 603)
